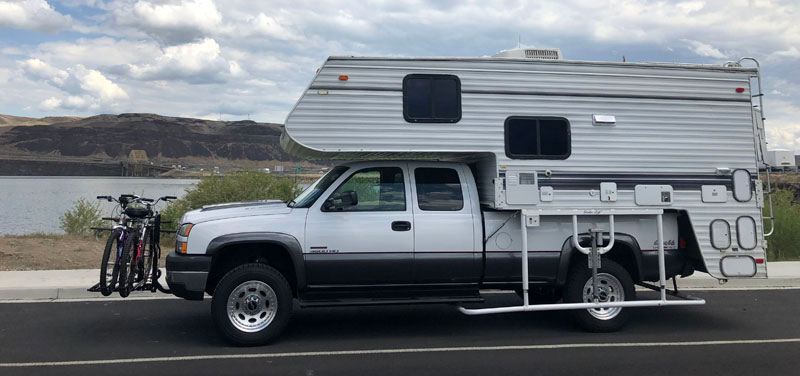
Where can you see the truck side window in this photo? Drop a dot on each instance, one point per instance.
(431, 98)
(377, 189)
(537, 138)
(438, 189)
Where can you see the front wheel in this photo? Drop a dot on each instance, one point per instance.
(614, 284)
(111, 256)
(252, 304)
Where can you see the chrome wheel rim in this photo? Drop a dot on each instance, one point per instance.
(252, 306)
(609, 290)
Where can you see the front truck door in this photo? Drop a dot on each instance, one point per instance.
(369, 243)
(445, 249)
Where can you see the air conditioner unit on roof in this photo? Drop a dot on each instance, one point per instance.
(532, 53)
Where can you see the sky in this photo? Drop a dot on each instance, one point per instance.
(240, 59)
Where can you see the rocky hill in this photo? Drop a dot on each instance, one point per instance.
(164, 138)
(9, 120)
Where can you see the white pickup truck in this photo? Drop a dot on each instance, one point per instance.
(397, 232)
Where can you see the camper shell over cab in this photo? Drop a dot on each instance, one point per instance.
(599, 175)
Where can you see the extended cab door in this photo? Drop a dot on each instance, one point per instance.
(366, 243)
(446, 249)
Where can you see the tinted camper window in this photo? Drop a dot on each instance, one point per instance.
(431, 98)
(537, 138)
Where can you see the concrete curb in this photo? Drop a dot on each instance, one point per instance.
(53, 285)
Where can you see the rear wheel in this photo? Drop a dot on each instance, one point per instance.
(614, 284)
(126, 264)
(252, 304)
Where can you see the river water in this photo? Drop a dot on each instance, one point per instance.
(34, 204)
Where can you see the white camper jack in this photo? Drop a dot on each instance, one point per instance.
(594, 263)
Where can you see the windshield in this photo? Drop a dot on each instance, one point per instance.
(312, 193)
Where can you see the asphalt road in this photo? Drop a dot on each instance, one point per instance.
(734, 334)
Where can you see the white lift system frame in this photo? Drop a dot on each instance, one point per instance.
(594, 252)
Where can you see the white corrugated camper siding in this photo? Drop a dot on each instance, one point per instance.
(670, 119)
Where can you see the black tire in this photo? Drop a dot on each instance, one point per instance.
(579, 276)
(141, 268)
(236, 278)
(107, 283)
(126, 267)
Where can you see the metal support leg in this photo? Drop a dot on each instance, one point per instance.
(524, 228)
(595, 260)
(661, 265)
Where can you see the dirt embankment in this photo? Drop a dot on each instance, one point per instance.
(58, 251)
(50, 252)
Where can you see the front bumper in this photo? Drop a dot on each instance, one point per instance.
(187, 275)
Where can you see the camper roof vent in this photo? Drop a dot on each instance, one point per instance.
(532, 53)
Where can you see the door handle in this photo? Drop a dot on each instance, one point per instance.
(401, 226)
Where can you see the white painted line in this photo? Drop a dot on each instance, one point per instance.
(396, 351)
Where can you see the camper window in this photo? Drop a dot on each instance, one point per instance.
(438, 189)
(431, 98)
(537, 138)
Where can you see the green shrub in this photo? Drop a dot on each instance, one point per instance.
(239, 186)
(784, 243)
(83, 215)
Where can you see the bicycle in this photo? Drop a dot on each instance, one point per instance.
(116, 241)
(139, 261)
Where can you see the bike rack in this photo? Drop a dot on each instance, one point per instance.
(595, 251)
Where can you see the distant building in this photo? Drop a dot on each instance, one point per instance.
(781, 159)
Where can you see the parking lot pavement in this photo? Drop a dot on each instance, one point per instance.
(737, 332)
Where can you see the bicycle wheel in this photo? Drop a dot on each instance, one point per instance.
(144, 262)
(108, 278)
(127, 265)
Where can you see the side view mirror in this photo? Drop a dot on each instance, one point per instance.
(341, 200)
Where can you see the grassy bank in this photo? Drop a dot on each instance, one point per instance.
(784, 244)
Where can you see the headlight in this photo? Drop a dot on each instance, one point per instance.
(185, 229)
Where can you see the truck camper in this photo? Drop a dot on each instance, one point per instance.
(569, 182)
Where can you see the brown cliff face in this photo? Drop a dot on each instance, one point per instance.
(162, 137)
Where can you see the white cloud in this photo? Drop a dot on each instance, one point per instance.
(40, 70)
(690, 6)
(32, 15)
(267, 26)
(85, 88)
(5, 74)
(175, 22)
(97, 85)
(704, 49)
(791, 52)
(97, 52)
(198, 62)
(50, 104)
(783, 124)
